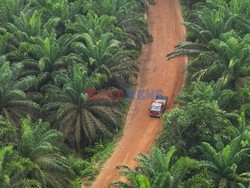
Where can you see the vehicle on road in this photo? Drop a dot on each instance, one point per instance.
(158, 106)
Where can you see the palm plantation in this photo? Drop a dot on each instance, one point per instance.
(52, 51)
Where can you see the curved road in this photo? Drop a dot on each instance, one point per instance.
(155, 73)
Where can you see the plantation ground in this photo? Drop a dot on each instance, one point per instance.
(155, 73)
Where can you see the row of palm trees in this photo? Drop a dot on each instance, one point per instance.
(205, 140)
(51, 51)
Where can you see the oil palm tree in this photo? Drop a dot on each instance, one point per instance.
(47, 55)
(8, 134)
(81, 120)
(6, 156)
(226, 98)
(15, 170)
(4, 40)
(39, 143)
(133, 24)
(97, 50)
(235, 53)
(65, 10)
(215, 50)
(34, 159)
(224, 165)
(238, 8)
(245, 95)
(14, 104)
(209, 23)
(31, 25)
(158, 170)
(225, 60)
(24, 27)
(59, 13)
(98, 24)
(23, 30)
(11, 8)
(106, 55)
(205, 61)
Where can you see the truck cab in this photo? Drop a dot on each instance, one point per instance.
(158, 106)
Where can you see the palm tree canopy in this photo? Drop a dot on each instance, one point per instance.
(13, 101)
(81, 120)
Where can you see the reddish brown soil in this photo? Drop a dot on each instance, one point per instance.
(155, 73)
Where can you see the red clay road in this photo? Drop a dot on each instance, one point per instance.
(155, 73)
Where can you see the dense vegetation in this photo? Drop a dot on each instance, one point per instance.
(50, 52)
(205, 141)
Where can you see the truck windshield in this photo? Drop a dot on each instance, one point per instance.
(156, 108)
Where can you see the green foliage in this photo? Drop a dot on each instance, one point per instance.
(161, 170)
(34, 158)
(13, 100)
(15, 170)
(219, 50)
(225, 165)
(8, 134)
(50, 53)
(213, 111)
(81, 120)
(133, 24)
(226, 99)
(96, 156)
(79, 166)
(192, 124)
(214, 108)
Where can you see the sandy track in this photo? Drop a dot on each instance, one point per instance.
(155, 73)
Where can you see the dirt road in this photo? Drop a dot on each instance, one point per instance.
(155, 73)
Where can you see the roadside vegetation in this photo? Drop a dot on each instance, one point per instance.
(51, 51)
(205, 140)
